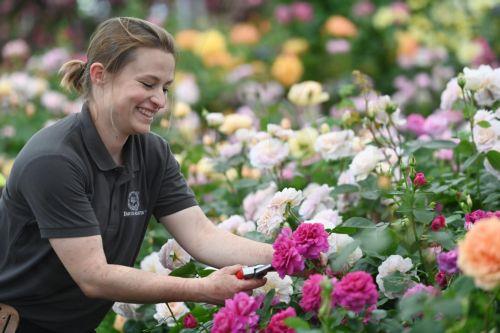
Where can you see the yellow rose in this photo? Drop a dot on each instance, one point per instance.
(245, 33)
(205, 166)
(307, 93)
(232, 174)
(5, 88)
(186, 39)
(234, 122)
(287, 69)
(467, 51)
(295, 46)
(339, 26)
(210, 42)
(181, 109)
(302, 144)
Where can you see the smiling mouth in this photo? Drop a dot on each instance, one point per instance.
(146, 113)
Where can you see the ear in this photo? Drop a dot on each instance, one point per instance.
(97, 73)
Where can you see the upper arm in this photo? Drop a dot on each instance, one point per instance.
(188, 226)
(83, 258)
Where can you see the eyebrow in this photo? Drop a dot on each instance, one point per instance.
(154, 77)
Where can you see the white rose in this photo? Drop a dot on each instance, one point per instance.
(283, 287)
(214, 119)
(268, 153)
(151, 263)
(365, 161)
(163, 314)
(394, 263)
(339, 241)
(335, 145)
(307, 93)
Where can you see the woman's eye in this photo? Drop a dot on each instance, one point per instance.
(165, 90)
(147, 85)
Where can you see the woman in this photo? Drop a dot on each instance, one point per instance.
(76, 205)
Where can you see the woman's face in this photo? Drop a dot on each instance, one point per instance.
(138, 92)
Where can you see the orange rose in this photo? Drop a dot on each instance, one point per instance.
(186, 39)
(244, 33)
(340, 26)
(287, 69)
(479, 253)
(407, 44)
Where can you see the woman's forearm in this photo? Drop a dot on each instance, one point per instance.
(221, 248)
(131, 285)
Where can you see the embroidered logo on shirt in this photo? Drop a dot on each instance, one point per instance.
(133, 205)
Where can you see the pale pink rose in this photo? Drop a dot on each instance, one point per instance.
(317, 198)
(172, 255)
(338, 46)
(444, 154)
(329, 218)
(283, 14)
(302, 11)
(255, 203)
(435, 124)
(16, 48)
(229, 150)
(363, 8)
(245, 228)
(232, 223)
(415, 123)
(451, 94)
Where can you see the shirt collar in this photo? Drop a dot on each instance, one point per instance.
(97, 149)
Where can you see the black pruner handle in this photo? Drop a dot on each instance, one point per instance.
(254, 272)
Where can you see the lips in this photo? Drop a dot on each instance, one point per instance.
(146, 113)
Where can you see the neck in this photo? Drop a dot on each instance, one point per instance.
(113, 140)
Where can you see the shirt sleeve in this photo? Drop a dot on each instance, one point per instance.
(175, 195)
(54, 189)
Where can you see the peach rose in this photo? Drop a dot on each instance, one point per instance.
(479, 253)
(186, 39)
(340, 26)
(287, 69)
(244, 33)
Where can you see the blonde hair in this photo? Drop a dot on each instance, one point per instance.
(113, 44)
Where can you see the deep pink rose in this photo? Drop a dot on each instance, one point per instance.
(419, 179)
(277, 325)
(311, 239)
(302, 11)
(311, 293)
(438, 223)
(286, 257)
(190, 321)
(356, 292)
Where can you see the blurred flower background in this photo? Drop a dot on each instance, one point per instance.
(291, 112)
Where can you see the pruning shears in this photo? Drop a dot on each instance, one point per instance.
(254, 272)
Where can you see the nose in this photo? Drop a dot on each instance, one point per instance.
(159, 98)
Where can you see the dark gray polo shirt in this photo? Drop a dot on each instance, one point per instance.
(64, 183)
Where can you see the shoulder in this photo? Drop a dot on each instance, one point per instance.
(56, 146)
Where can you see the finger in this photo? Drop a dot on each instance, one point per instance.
(232, 269)
(253, 283)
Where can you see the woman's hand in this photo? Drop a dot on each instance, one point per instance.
(223, 284)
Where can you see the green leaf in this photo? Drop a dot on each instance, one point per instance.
(444, 238)
(471, 160)
(345, 188)
(343, 230)
(484, 124)
(396, 282)
(187, 270)
(423, 215)
(493, 157)
(370, 195)
(297, 323)
(464, 148)
(358, 222)
(439, 144)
